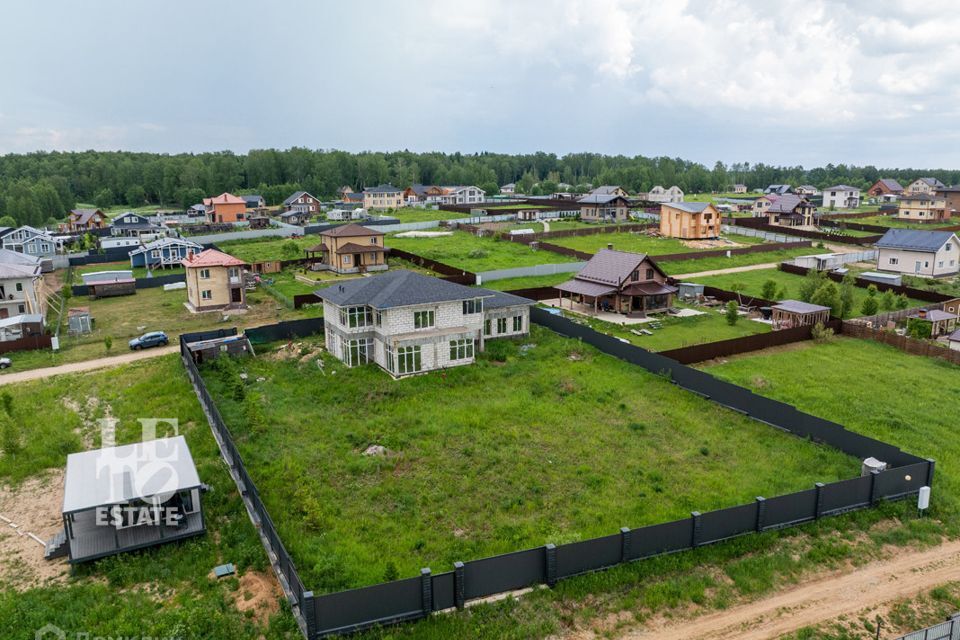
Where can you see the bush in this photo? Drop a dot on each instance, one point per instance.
(919, 329)
(108, 342)
(9, 435)
(870, 306)
(902, 301)
(821, 333)
(828, 296)
(888, 301)
(733, 313)
(769, 290)
(812, 281)
(872, 290)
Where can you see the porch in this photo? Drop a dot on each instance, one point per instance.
(89, 541)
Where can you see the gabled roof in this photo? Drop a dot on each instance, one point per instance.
(601, 198)
(606, 189)
(212, 258)
(796, 306)
(296, 195)
(382, 188)
(353, 197)
(890, 184)
(934, 315)
(786, 203)
(252, 199)
(82, 216)
(399, 288)
(166, 242)
(689, 207)
(933, 182)
(915, 240)
(777, 188)
(841, 187)
(609, 266)
(8, 256)
(120, 222)
(224, 198)
(12, 270)
(349, 230)
(32, 232)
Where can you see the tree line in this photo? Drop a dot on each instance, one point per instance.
(39, 188)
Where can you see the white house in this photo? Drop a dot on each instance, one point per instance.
(20, 285)
(410, 323)
(924, 185)
(508, 189)
(841, 196)
(30, 241)
(659, 194)
(918, 252)
(463, 195)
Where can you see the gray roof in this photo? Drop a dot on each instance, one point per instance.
(933, 182)
(777, 188)
(23, 318)
(841, 187)
(600, 198)
(114, 475)
(120, 275)
(796, 306)
(915, 240)
(382, 188)
(605, 190)
(163, 242)
(786, 203)
(252, 199)
(955, 336)
(8, 256)
(934, 315)
(398, 288)
(609, 266)
(296, 194)
(500, 299)
(689, 207)
(120, 222)
(891, 184)
(10, 270)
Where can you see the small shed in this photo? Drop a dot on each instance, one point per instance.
(690, 291)
(953, 340)
(893, 279)
(79, 321)
(25, 325)
(267, 266)
(105, 284)
(820, 262)
(128, 497)
(259, 222)
(941, 322)
(794, 313)
(528, 215)
(206, 350)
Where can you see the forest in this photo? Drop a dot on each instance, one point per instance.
(40, 188)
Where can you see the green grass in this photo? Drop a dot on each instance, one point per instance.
(698, 265)
(561, 453)
(138, 272)
(638, 243)
(515, 207)
(750, 283)
(159, 592)
(679, 332)
(529, 282)
(872, 389)
(895, 223)
(263, 249)
(471, 253)
(418, 214)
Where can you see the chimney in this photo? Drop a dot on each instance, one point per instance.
(922, 313)
(610, 246)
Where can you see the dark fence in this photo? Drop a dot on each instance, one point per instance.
(690, 255)
(303, 299)
(851, 216)
(114, 254)
(288, 330)
(856, 226)
(453, 274)
(28, 343)
(417, 597)
(904, 343)
(744, 344)
(140, 283)
(536, 293)
(947, 630)
(760, 224)
(910, 292)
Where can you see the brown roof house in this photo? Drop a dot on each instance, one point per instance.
(622, 282)
(214, 281)
(885, 187)
(689, 220)
(350, 248)
(789, 314)
(791, 210)
(598, 207)
(86, 219)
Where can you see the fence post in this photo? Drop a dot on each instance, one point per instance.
(550, 550)
(873, 486)
(695, 535)
(761, 512)
(930, 467)
(426, 591)
(819, 507)
(309, 613)
(459, 589)
(625, 540)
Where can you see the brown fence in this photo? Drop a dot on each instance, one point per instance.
(453, 274)
(856, 226)
(536, 293)
(725, 348)
(689, 255)
(904, 343)
(850, 216)
(761, 225)
(302, 299)
(910, 292)
(26, 344)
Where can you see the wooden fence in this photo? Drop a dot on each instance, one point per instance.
(743, 344)
(29, 343)
(904, 343)
(452, 274)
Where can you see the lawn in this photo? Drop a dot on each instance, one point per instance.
(750, 283)
(154, 309)
(872, 389)
(677, 332)
(160, 592)
(271, 248)
(529, 282)
(419, 214)
(468, 252)
(549, 456)
(698, 265)
(138, 272)
(640, 243)
(893, 222)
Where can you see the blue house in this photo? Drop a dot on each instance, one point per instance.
(162, 253)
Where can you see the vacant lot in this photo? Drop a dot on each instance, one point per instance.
(262, 249)
(896, 223)
(640, 242)
(487, 458)
(417, 214)
(698, 265)
(139, 272)
(750, 283)
(161, 592)
(471, 253)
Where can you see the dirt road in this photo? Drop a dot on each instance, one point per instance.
(718, 272)
(903, 576)
(86, 365)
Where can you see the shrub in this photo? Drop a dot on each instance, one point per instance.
(9, 435)
(846, 295)
(872, 290)
(108, 342)
(812, 281)
(733, 313)
(828, 296)
(917, 328)
(902, 301)
(769, 290)
(888, 300)
(821, 333)
(870, 306)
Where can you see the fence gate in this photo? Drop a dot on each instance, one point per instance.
(949, 630)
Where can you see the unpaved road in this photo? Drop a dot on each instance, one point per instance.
(86, 365)
(808, 604)
(718, 272)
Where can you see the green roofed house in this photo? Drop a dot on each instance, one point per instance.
(410, 323)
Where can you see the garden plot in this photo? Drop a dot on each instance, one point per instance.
(467, 251)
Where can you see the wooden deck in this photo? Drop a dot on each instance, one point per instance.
(90, 542)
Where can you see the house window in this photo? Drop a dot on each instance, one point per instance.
(204, 274)
(354, 317)
(206, 294)
(378, 318)
(408, 359)
(501, 325)
(21, 308)
(517, 323)
(19, 286)
(461, 349)
(346, 259)
(635, 275)
(388, 358)
(373, 240)
(649, 274)
(472, 306)
(894, 261)
(31, 248)
(357, 352)
(423, 319)
(155, 253)
(949, 246)
(372, 257)
(486, 327)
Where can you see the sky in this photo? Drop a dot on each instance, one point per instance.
(811, 82)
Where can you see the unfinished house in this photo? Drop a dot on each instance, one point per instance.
(689, 220)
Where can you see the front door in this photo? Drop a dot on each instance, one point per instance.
(236, 295)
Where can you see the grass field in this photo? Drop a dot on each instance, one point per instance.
(138, 272)
(698, 265)
(160, 592)
(417, 214)
(750, 283)
(508, 284)
(261, 249)
(549, 457)
(471, 253)
(896, 223)
(639, 243)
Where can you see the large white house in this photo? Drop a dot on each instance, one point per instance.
(918, 252)
(659, 194)
(410, 323)
(841, 196)
(20, 285)
(461, 194)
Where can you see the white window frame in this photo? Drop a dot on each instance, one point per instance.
(424, 319)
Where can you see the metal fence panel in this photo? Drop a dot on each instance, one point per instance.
(508, 572)
(359, 608)
(900, 481)
(443, 591)
(792, 508)
(728, 523)
(661, 538)
(846, 495)
(588, 555)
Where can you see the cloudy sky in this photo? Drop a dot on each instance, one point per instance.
(788, 82)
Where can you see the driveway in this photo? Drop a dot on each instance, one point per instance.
(87, 365)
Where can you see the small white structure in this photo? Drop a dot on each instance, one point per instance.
(841, 196)
(820, 262)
